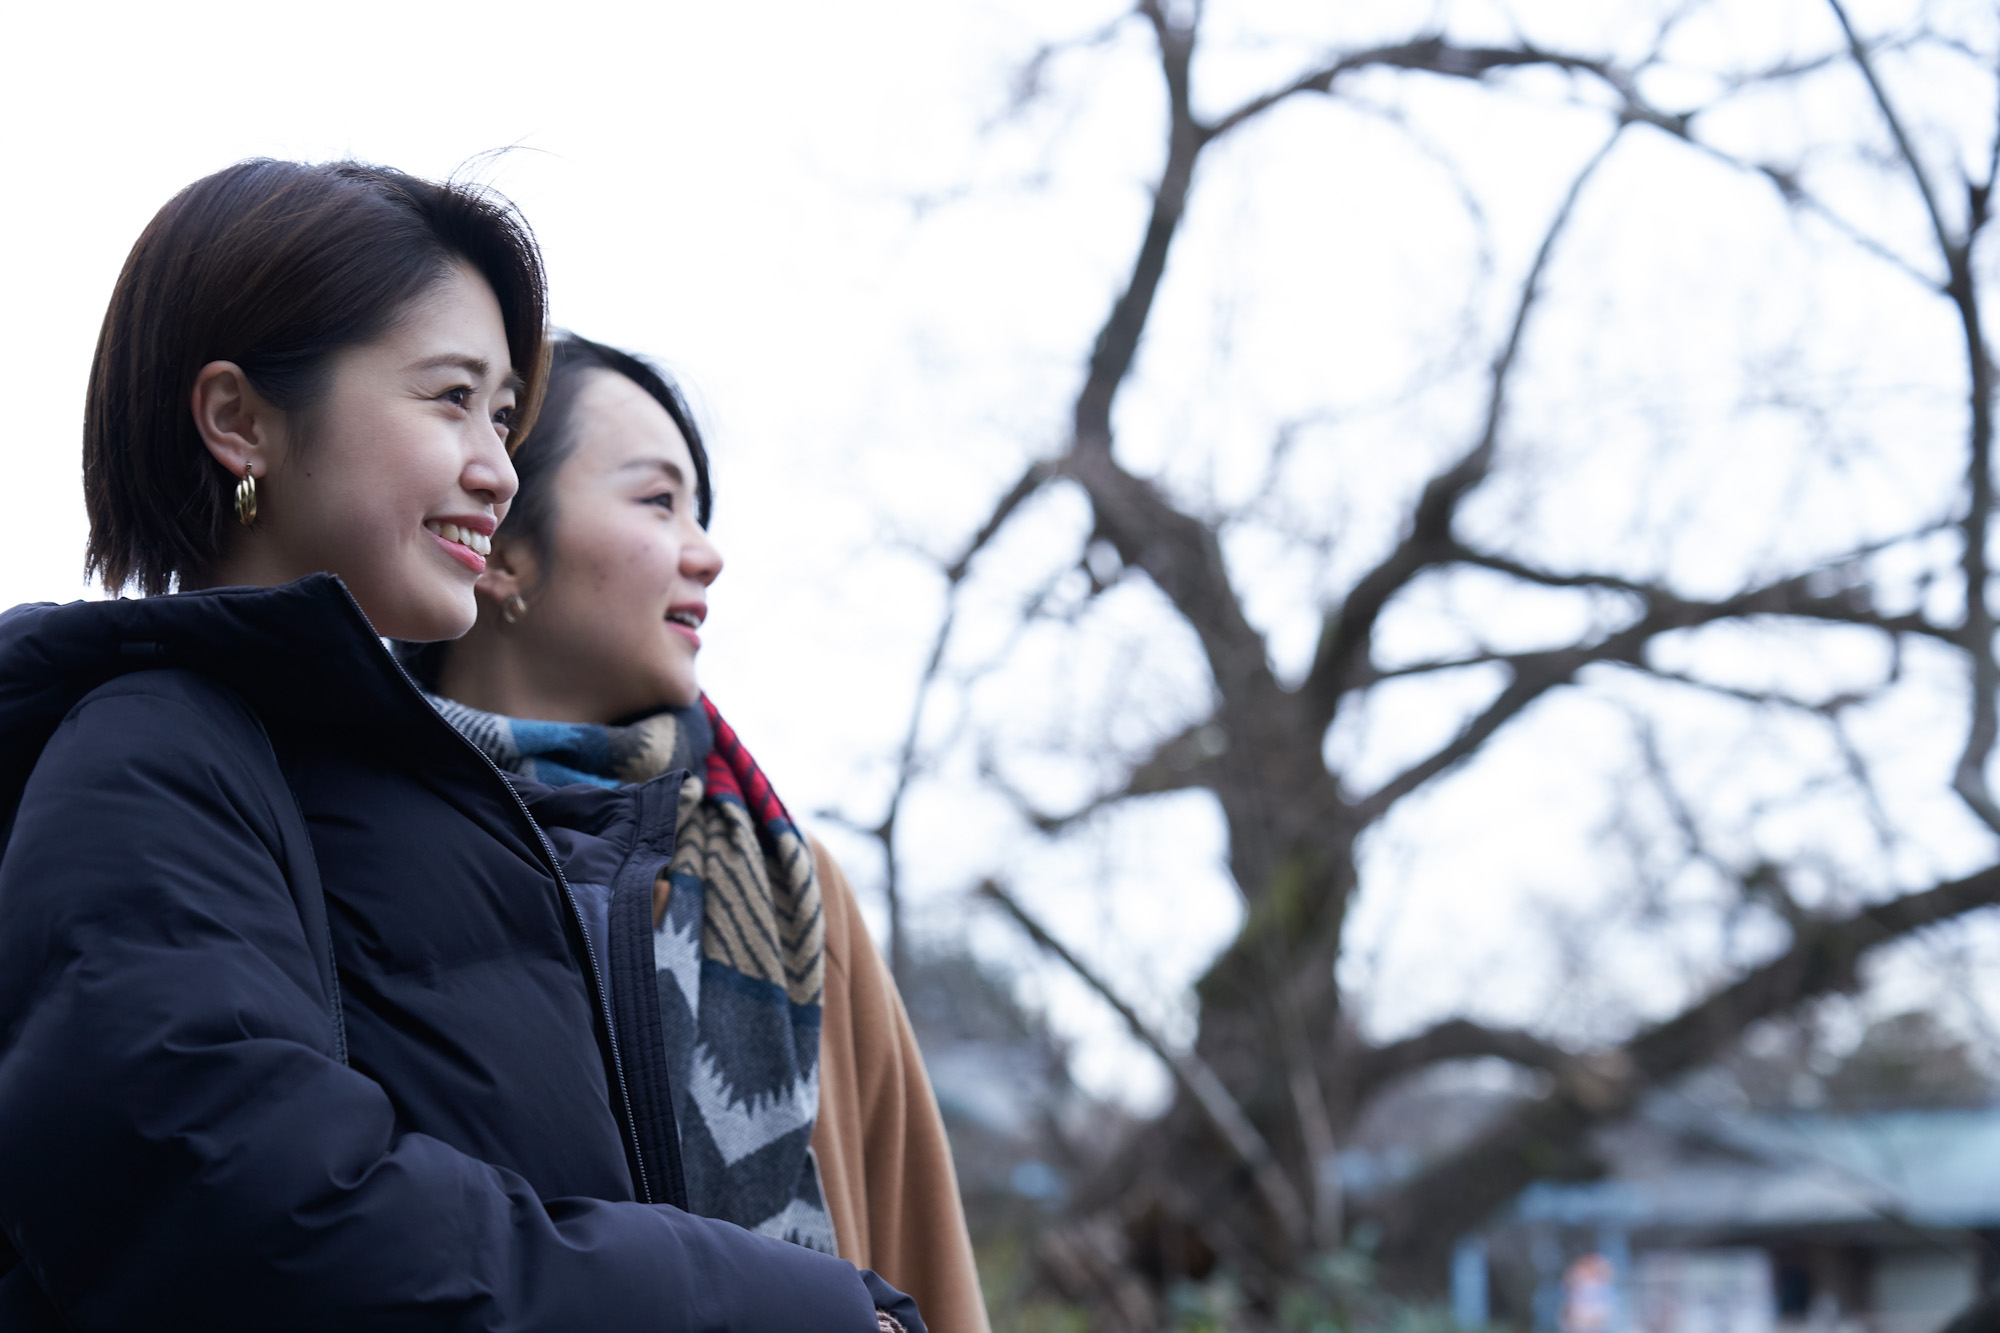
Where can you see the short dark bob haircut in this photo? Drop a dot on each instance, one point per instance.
(275, 266)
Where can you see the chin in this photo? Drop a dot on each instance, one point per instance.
(679, 691)
(424, 619)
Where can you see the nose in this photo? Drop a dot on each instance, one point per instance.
(489, 474)
(700, 560)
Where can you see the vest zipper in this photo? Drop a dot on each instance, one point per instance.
(598, 983)
(600, 989)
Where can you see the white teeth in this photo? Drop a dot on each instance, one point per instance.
(684, 617)
(466, 537)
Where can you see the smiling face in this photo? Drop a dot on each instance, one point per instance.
(616, 601)
(404, 475)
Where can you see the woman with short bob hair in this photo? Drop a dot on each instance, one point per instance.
(306, 1020)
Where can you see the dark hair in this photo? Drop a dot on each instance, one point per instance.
(275, 266)
(571, 360)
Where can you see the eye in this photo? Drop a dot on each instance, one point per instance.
(665, 500)
(506, 417)
(458, 395)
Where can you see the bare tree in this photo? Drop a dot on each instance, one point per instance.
(1280, 1068)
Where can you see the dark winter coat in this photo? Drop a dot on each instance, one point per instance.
(306, 1022)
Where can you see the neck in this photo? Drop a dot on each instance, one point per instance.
(495, 669)
(249, 563)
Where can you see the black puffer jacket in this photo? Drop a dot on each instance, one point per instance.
(303, 1025)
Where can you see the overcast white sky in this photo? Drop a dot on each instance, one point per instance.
(878, 294)
(739, 191)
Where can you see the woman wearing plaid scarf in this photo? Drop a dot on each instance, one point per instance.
(799, 1098)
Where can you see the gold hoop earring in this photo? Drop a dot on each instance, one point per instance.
(513, 608)
(246, 499)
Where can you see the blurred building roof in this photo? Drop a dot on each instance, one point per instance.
(1680, 1169)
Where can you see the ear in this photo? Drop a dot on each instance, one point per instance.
(243, 432)
(511, 570)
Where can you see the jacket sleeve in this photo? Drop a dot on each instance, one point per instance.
(884, 1159)
(178, 1145)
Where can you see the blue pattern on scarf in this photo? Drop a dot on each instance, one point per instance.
(742, 1051)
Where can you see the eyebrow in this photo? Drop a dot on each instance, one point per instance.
(672, 469)
(476, 366)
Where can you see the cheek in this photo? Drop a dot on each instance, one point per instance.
(611, 574)
(382, 472)
(629, 560)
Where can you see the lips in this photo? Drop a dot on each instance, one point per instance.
(685, 620)
(462, 542)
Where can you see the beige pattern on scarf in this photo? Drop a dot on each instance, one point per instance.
(766, 926)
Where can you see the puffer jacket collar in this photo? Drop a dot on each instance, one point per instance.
(302, 655)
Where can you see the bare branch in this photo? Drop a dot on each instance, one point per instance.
(1315, 1123)
(1535, 674)
(1886, 834)
(1976, 635)
(1983, 189)
(1182, 762)
(832, 816)
(1824, 958)
(1348, 633)
(1118, 340)
(1795, 193)
(1788, 184)
(1462, 1190)
(1193, 1073)
(1763, 882)
(1907, 149)
(1427, 55)
(1782, 71)
(1823, 708)
(1846, 611)
(1375, 675)
(884, 830)
(1032, 480)
(1969, 781)
(1456, 1039)
(1177, 551)
(1030, 81)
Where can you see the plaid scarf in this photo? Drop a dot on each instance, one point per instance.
(739, 951)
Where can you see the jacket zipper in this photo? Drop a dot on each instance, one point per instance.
(601, 991)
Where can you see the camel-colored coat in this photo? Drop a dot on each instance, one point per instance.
(883, 1159)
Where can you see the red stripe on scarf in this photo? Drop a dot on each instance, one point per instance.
(731, 770)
